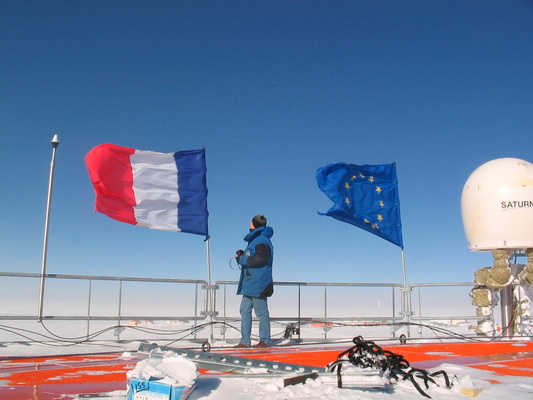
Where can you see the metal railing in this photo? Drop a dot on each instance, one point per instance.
(107, 298)
(421, 316)
(325, 313)
(76, 298)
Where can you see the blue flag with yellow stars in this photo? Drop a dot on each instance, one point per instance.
(365, 196)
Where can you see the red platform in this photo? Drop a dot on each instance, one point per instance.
(50, 378)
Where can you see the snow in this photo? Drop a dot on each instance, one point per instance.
(466, 382)
(167, 367)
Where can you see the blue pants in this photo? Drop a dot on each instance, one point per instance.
(259, 304)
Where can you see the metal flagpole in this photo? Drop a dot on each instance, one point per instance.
(210, 294)
(403, 270)
(406, 307)
(55, 143)
(208, 255)
(210, 289)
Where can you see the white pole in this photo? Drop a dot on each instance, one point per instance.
(403, 270)
(406, 304)
(210, 293)
(55, 143)
(208, 256)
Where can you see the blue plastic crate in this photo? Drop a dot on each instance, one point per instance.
(141, 389)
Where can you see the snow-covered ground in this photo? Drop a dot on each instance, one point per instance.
(466, 383)
(30, 338)
(465, 379)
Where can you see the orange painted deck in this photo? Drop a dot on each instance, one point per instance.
(50, 378)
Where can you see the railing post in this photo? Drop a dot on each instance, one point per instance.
(420, 312)
(195, 308)
(326, 327)
(406, 311)
(299, 309)
(210, 306)
(89, 308)
(224, 308)
(117, 330)
(393, 312)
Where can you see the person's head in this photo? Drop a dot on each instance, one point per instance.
(257, 222)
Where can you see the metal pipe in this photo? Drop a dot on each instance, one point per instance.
(299, 309)
(55, 143)
(195, 308)
(209, 293)
(89, 300)
(507, 311)
(119, 310)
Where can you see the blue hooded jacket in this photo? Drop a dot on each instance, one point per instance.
(256, 264)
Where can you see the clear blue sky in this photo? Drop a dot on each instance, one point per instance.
(273, 90)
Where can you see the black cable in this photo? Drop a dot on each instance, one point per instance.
(367, 354)
(185, 332)
(71, 341)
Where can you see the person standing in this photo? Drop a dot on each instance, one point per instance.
(256, 283)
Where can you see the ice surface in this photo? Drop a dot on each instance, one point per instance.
(466, 381)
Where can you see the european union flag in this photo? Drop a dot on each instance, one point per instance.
(365, 196)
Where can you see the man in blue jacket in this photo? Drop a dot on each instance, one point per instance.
(256, 283)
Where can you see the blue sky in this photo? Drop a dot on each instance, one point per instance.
(274, 90)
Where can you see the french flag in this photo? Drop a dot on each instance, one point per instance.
(165, 191)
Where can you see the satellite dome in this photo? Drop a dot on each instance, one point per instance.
(497, 205)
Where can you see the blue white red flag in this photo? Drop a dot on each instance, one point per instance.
(165, 191)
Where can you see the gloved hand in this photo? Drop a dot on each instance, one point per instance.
(239, 254)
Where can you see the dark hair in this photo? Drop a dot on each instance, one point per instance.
(259, 221)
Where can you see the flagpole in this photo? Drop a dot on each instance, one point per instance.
(208, 259)
(403, 270)
(55, 144)
(406, 307)
(210, 294)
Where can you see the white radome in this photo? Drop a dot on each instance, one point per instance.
(497, 205)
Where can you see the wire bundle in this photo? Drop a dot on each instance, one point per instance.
(367, 354)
